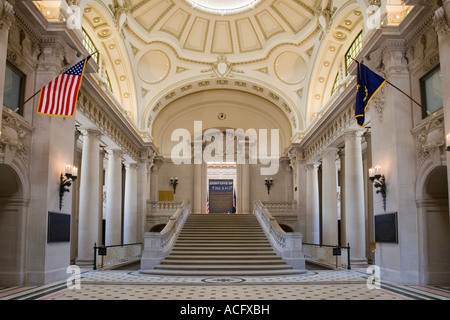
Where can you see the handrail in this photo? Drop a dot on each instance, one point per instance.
(158, 244)
(330, 256)
(116, 255)
(287, 244)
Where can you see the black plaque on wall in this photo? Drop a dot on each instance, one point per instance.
(58, 229)
(386, 229)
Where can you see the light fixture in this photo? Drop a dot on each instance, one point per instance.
(69, 176)
(268, 182)
(447, 144)
(174, 182)
(379, 182)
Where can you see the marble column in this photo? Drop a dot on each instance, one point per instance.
(197, 188)
(245, 199)
(6, 20)
(442, 27)
(329, 197)
(143, 186)
(113, 232)
(130, 218)
(312, 204)
(354, 197)
(89, 197)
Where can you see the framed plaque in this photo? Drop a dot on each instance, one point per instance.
(58, 228)
(386, 229)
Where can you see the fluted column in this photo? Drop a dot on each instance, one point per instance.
(114, 198)
(354, 197)
(312, 204)
(88, 223)
(329, 197)
(130, 218)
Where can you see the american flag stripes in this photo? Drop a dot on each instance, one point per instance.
(59, 97)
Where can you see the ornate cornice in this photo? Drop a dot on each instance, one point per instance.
(6, 14)
(92, 110)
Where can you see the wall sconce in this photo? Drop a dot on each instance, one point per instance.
(268, 182)
(174, 182)
(70, 175)
(447, 144)
(379, 182)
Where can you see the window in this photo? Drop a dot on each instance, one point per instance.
(13, 89)
(353, 51)
(108, 81)
(431, 85)
(87, 42)
(335, 85)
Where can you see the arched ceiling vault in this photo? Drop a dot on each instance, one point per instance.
(285, 51)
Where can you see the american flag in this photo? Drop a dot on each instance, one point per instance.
(59, 97)
(207, 204)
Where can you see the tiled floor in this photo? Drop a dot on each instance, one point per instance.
(316, 284)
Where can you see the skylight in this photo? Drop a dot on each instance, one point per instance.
(223, 6)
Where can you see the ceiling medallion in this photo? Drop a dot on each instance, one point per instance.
(223, 7)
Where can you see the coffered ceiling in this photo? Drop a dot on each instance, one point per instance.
(285, 51)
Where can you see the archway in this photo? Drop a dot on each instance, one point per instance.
(12, 224)
(434, 229)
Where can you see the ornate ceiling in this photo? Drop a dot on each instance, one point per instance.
(287, 52)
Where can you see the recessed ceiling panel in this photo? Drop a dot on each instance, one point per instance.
(153, 66)
(290, 67)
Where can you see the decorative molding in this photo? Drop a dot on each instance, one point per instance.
(15, 138)
(430, 139)
(106, 124)
(6, 14)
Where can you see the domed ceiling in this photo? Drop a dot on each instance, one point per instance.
(285, 51)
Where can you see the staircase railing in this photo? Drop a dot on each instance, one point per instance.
(329, 256)
(287, 244)
(109, 257)
(158, 244)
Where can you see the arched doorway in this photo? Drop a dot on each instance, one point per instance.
(12, 227)
(434, 229)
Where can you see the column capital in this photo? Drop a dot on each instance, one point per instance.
(312, 166)
(91, 133)
(115, 152)
(6, 14)
(131, 165)
(329, 152)
(441, 20)
(352, 134)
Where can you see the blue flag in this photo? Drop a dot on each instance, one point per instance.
(368, 84)
(234, 201)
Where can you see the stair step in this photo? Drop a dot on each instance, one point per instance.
(222, 263)
(222, 245)
(222, 256)
(222, 267)
(221, 252)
